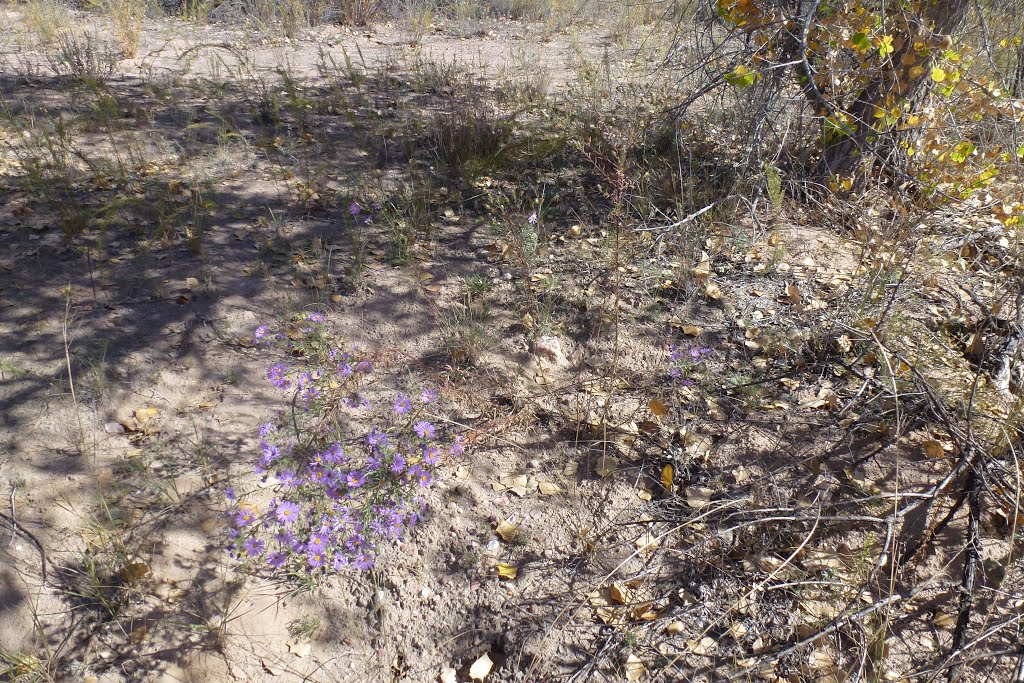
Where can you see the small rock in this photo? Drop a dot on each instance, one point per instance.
(425, 593)
(493, 545)
(549, 348)
(113, 428)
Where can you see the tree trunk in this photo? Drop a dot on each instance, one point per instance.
(933, 25)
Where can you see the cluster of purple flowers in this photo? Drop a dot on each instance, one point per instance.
(338, 497)
(685, 362)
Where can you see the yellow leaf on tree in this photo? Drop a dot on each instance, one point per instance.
(938, 74)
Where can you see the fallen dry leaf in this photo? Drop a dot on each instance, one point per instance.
(299, 648)
(507, 531)
(606, 465)
(704, 646)
(548, 488)
(507, 571)
(635, 668)
(448, 676)
(667, 474)
(793, 294)
(481, 668)
(698, 497)
(933, 449)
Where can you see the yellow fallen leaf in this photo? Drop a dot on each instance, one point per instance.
(635, 668)
(620, 593)
(507, 571)
(646, 542)
(507, 530)
(713, 291)
(667, 474)
(657, 407)
(674, 628)
(481, 667)
(133, 573)
(704, 646)
(144, 415)
(692, 330)
(548, 488)
(933, 449)
(793, 294)
(701, 271)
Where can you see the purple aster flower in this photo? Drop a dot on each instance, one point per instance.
(316, 475)
(355, 479)
(364, 367)
(428, 396)
(288, 512)
(315, 317)
(254, 547)
(532, 218)
(339, 562)
(362, 561)
(317, 543)
(276, 559)
(456, 447)
(424, 429)
(287, 479)
(344, 369)
(398, 464)
(260, 332)
(245, 517)
(229, 493)
(335, 454)
(286, 539)
(402, 404)
(271, 452)
(315, 559)
(375, 438)
(424, 478)
(354, 209)
(373, 463)
(266, 428)
(431, 455)
(278, 376)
